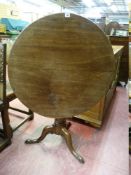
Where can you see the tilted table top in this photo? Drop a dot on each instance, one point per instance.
(61, 66)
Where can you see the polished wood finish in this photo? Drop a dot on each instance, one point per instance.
(61, 66)
(96, 114)
(60, 127)
(6, 96)
(124, 64)
(5, 129)
(4, 142)
(130, 59)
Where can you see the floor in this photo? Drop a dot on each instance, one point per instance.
(129, 93)
(105, 150)
(130, 164)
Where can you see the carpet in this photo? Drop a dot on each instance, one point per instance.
(105, 150)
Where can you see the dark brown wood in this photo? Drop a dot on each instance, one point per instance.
(61, 66)
(60, 127)
(124, 63)
(6, 96)
(4, 142)
(96, 114)
(5, 131)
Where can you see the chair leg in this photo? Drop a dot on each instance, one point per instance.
(29, 113)
(7, 130)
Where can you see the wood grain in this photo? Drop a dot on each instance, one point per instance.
(60, 67)
(124, 63)
(95, 116)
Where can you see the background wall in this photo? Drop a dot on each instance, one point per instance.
(9, 11)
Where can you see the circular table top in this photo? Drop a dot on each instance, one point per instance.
(61, 66)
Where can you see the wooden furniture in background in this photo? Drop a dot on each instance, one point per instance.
(6, 96)
(5, 129)
(96, 114)
(124, 63)
(129, 57)
(60, 67)
(111, 26)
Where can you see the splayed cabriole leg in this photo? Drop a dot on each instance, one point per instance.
(46, 130)
(60, 127)
(67, 136)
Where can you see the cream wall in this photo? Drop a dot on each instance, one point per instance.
(9, 11)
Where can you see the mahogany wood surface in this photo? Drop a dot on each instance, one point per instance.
(61, 66)
(124, 63)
